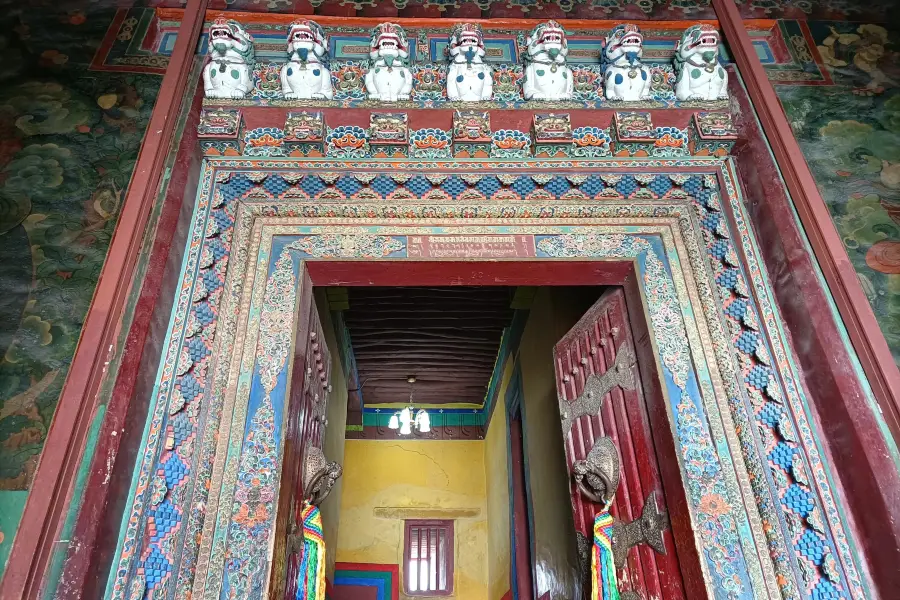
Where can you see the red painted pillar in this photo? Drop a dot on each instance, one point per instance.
(48, 499)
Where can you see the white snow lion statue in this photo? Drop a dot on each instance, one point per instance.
(389, 79)
(468, 78)
(546, 75)
(306, 75)
(231, 56)
(700, 76)
(625, 77)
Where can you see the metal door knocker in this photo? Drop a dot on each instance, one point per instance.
(320, 475)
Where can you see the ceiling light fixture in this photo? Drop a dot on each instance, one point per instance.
(404, 419)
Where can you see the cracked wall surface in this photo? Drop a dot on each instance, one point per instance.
(387, 482)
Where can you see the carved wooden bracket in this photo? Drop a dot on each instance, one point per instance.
(619, 374)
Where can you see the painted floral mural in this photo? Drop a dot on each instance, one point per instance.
(850, 136)
(69, 138)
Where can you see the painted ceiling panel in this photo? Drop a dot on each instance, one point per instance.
(448, 338)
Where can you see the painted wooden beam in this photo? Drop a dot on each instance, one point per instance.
(48, 499)
(341, 20)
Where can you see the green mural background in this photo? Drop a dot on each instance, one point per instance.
(69, 138)
(850, 135)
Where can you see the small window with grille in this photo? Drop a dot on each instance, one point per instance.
(428, 558)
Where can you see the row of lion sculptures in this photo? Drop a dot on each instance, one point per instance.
(306, 75)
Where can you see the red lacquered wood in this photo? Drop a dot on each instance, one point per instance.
(304, 428)
(89, 552)
(47, 502)
(520, 119)
(659, 446)
(514, 20)
(590, 348)
(500, 272)
(524, 583)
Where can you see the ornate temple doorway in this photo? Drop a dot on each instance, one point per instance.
(436, 374)
(703, 392)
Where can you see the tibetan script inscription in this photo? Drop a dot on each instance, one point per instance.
(471, 246)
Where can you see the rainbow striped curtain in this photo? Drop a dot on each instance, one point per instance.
(311, 584)
(603, 567)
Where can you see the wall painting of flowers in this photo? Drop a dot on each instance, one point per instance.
(850, 135)
(69, 138)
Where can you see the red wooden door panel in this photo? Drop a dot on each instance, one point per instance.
(601, 344)
(305, 429)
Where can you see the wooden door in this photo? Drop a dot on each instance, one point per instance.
(599, 352)
(305, 430)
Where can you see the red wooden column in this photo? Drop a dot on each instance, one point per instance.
(47, 503)
(848, 426)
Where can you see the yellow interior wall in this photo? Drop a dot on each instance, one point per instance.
(386, 482)
(496, 467)
(335, 432)
(556, 570)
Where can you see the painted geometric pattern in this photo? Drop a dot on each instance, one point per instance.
(383, 579)
(814, 552)
(186, 367)
(443, 195)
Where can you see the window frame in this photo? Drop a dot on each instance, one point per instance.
(448, 525)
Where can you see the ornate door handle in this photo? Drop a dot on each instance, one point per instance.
(320, 475)
(598, 475)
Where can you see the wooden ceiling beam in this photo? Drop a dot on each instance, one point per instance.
(447, 337)
(412, 335)
(400, 378)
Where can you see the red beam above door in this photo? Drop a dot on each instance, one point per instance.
(410, 273)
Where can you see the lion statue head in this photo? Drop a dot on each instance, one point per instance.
(699, 44)
(389, 43)
(227, 39)
(547, 39)
(466, 43)
(305, 37)
(624, 41)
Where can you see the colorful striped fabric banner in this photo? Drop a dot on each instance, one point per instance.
(312, 563)
(603, 568)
